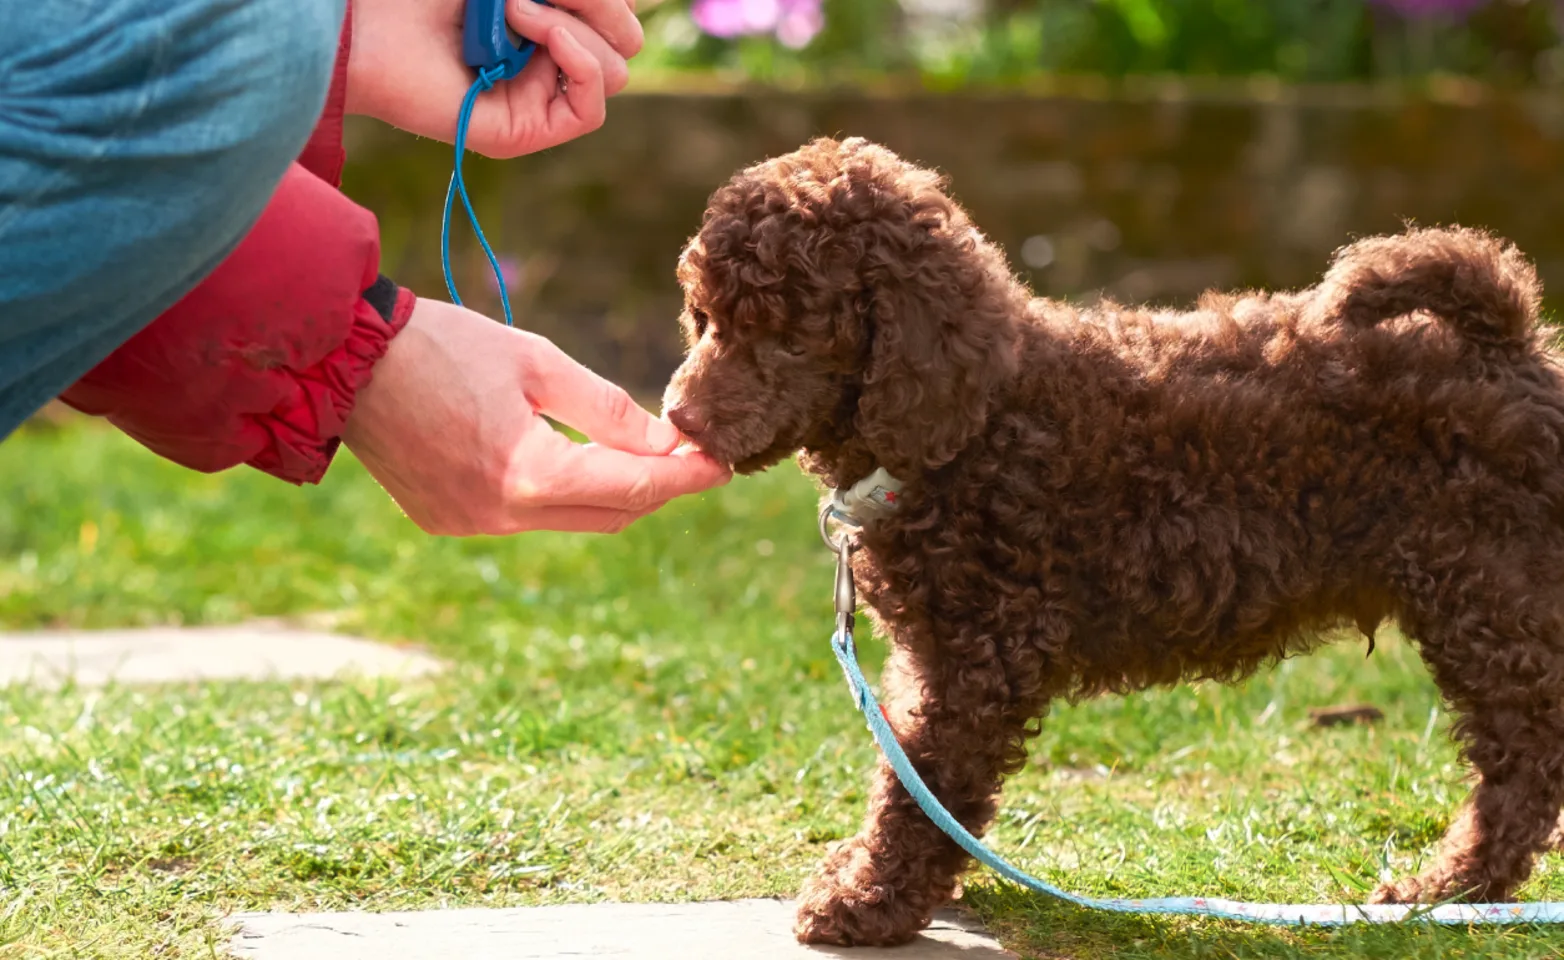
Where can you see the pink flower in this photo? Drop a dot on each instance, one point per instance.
(733, 18)
(793, 22)
(801, 20)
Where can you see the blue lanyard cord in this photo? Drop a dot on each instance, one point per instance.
(457, 186)
(1294, 914)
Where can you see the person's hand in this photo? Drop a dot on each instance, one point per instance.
(405, 67)
(453, 427)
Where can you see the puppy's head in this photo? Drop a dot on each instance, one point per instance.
(837, 300)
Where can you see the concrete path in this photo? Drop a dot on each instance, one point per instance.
(257, 651)
(738, 930)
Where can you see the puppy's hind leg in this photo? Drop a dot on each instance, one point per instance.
(1494, 639)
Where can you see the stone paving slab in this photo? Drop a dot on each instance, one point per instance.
(735, 930)
(256, 651)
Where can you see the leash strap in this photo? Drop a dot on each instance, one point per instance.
(1290, 914)
(458, 187)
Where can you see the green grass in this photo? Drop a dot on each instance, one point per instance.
(650, 716)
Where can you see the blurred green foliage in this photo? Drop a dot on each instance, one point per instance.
(946, 43)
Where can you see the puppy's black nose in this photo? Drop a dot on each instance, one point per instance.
(690, 423)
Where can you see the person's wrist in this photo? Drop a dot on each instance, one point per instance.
(357, 85)
(385, 370)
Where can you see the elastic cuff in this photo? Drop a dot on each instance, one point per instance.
(306, 427)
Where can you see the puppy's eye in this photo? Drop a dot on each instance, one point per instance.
(700, 318)
(793, 348)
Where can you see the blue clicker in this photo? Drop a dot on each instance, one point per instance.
(489, 42)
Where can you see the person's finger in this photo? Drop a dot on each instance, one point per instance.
(595, 476)
(561, 388)
(513, 118)
(614, 20)
(537, 23)
(585, 90)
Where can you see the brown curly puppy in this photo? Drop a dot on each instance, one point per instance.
(1101, 500)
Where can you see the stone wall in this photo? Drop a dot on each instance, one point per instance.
(1151, 196)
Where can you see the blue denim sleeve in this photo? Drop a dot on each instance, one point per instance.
(139, 141)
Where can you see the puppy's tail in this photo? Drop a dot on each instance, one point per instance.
(1483, 288)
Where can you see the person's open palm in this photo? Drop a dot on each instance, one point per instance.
(405, 67)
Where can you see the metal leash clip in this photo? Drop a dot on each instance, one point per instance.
(842, 546)
(846, 593)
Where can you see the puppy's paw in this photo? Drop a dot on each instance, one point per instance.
(856, 919)
(845, 905)
(1405, 890)
(1437, 886)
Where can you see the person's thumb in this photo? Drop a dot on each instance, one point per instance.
(561, 388)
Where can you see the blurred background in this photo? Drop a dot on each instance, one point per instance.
(1147, 149)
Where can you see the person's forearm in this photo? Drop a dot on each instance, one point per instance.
(126, 199)
(261, 363)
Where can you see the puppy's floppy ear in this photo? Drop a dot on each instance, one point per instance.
(942, 329)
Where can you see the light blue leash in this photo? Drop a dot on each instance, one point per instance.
(1292, 914)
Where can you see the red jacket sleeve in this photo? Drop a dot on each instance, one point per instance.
(260, 364)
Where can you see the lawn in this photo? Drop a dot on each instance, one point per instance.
(650, 716)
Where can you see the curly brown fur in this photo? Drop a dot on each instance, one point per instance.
(1106, 499)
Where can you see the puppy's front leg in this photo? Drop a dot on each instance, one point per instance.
(962, 733)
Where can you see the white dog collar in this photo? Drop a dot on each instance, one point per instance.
(874, 496)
